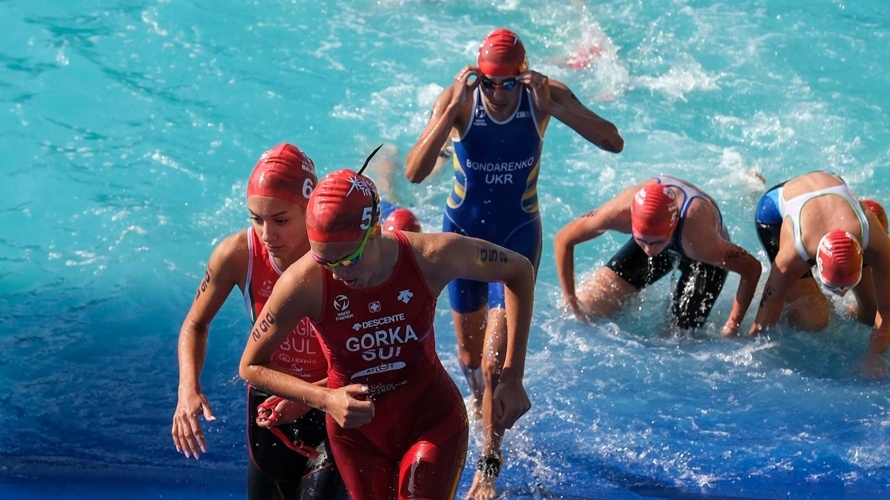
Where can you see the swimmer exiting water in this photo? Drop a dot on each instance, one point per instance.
(673, 223)
(396, 421)
(287, 442)
(496, 113)
(815, 220)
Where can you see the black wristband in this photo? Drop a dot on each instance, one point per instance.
(489, 466)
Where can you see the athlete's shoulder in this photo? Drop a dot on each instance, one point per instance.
(233, 246)
(229, 260)
(557, 84)
(436, 249)
(702, 213)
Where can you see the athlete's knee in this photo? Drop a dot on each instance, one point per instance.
(491, 370)
(604, 293)
(807, 309)
(469, 360)
(808, 317)
(470, 331)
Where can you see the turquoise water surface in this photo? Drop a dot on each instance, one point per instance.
(129, 128)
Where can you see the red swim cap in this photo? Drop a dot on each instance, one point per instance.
(584, 56)
(653, 211)
(403, 220)
(283, 172)
(839, 259)
(878, 210)
(342, 207)
(502, 54)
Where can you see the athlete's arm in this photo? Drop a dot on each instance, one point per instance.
(612, 215)
(702, 242)
(424, 155)
(554, 98)
(297, 294)
(785, 270)
(878, 258)
(227, 266)
(865, 308)
(288, 411)
(584, 228)
(448, 256)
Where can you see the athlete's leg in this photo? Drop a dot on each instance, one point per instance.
(697, 291)
(320, 477)
(273, 469)
(627, 272)
(321, 480)
(807, 308)
(495, 347)
(865, 307)
(603, 294)
(366, 472)
(526, 239)
(260, 486)
(469, 311)
(432, 466)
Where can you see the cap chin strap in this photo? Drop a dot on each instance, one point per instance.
(368, 159)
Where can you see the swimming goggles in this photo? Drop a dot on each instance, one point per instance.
(840, 289)
(294, 444)
(507, 84)
(652, 241)
(354, 258)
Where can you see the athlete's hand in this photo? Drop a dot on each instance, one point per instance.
(539, 85)
(286, 412)
(463, 88)
(509, 402)
(187, 435)
(575, 307)
(349, 406)
(730, 329)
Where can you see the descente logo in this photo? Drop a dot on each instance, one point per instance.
(371, 323)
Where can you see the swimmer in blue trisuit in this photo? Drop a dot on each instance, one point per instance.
(814, 219)
(496, 114)
(673, 223)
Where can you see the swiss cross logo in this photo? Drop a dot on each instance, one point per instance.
(374, 306)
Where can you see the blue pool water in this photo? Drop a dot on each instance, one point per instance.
(128, 129)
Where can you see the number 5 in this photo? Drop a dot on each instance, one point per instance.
(366, 218)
